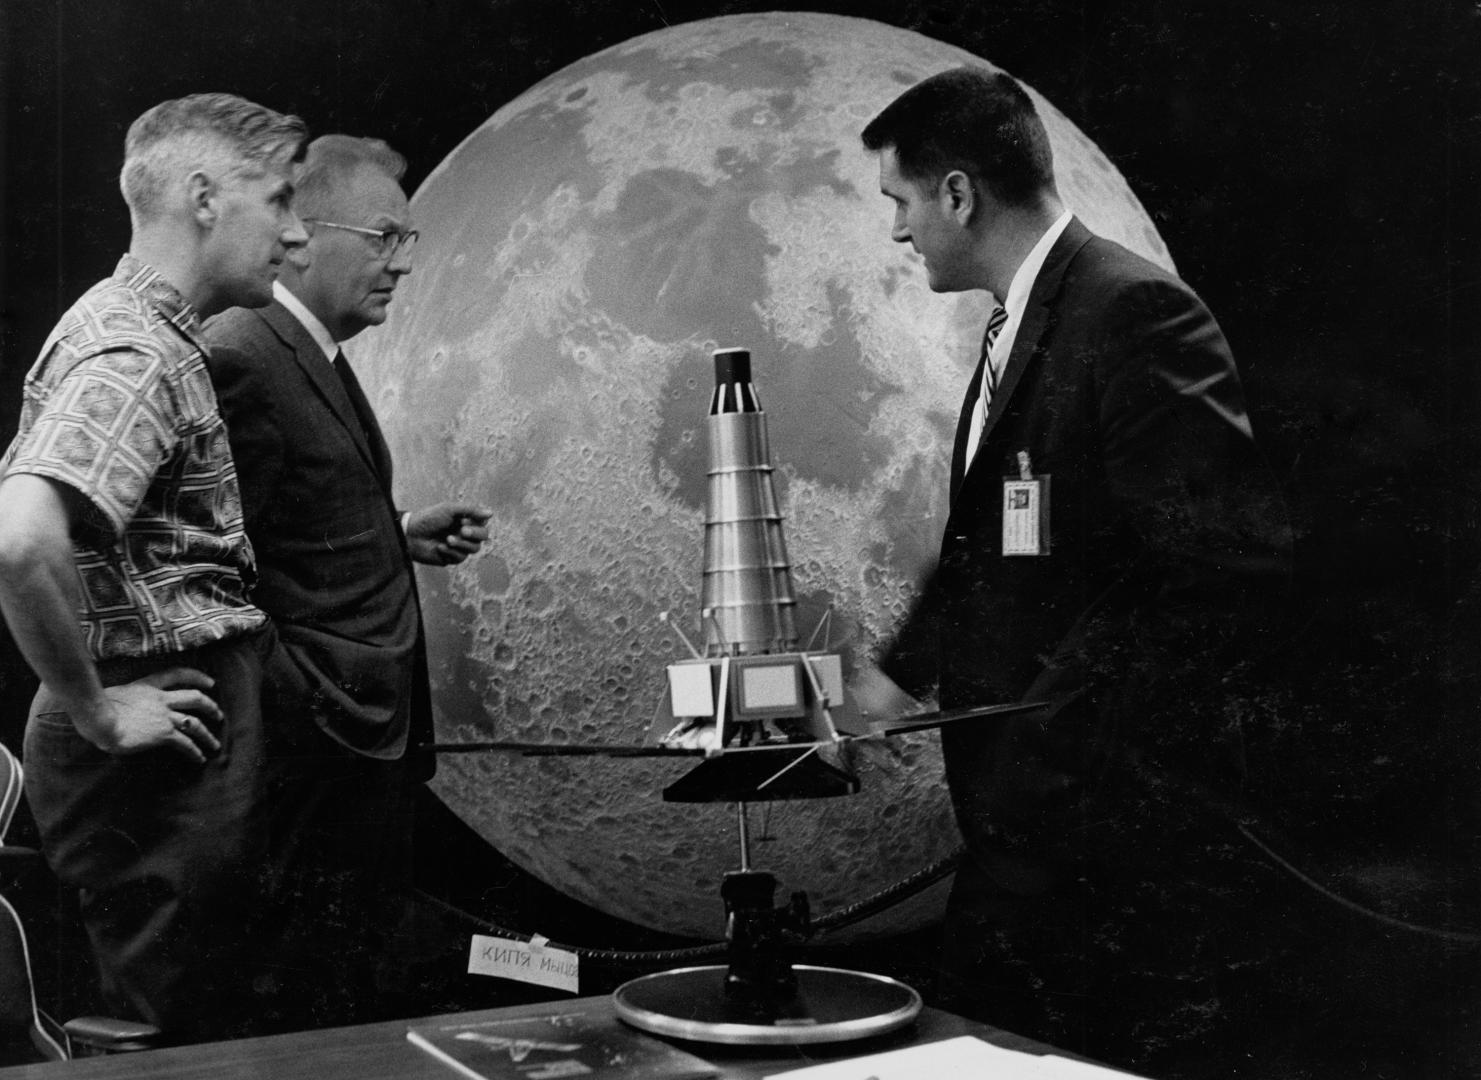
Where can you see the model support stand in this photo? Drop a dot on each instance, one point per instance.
(754, 688)
(761, 997)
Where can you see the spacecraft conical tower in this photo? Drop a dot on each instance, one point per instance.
(747, 599)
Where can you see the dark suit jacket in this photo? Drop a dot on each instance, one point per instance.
(333, 568)
(1167, 538)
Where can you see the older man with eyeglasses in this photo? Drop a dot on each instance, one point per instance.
(346, 694)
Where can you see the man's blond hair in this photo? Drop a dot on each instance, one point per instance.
(219, 134)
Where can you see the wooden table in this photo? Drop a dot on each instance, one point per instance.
(381, 1052)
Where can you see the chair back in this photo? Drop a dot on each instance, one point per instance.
(18, 1009)
(11, 784)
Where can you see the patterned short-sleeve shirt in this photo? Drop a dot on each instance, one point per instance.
(120, 409)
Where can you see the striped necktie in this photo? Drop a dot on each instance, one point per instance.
(989, 369)
(989, 378)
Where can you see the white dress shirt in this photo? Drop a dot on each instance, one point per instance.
(326, 343)
(1018, 293)
(310, 321)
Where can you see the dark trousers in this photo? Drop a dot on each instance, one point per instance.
(339, 828)
(163, 853)
(1115, 969)
(1150, 934)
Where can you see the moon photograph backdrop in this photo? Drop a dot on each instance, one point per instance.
(582, 253)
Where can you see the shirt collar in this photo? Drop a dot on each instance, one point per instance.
(310, 322)
(164, 297)
(1028, 270)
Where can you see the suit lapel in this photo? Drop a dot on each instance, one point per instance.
(1036, 317)
(964, 431)
(380, 453)
(1026, 340)
(326, 382)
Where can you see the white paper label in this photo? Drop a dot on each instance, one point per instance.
(524, 961)
(1023, 515)
(962, 1058)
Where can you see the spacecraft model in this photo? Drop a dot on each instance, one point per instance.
(751, 697)
(760, 712)
(762, 709)
(752, 687)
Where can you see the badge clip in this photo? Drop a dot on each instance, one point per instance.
(1025, 511)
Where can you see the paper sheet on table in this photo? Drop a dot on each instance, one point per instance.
(962, 1058)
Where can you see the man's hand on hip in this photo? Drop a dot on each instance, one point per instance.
(163, 709)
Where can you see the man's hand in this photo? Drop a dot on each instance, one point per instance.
(692, 735)
(877, 698)
(167, 708)
(447, 533)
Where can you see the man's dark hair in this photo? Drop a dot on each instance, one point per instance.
(979, 121)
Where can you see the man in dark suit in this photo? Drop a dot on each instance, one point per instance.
(1113, 549)
(346, 693)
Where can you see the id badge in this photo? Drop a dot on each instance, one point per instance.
(1025, 511)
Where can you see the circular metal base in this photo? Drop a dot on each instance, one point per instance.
(831, 1005)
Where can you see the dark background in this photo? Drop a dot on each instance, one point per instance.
(1312, 171)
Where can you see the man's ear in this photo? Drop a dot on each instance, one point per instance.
(201, 191)
(958, 196)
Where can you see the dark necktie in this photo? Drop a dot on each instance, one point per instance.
(357, 397)
(360, 403)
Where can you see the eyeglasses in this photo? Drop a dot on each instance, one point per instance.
(387, 242)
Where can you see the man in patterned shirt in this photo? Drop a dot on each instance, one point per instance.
(124, 570)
